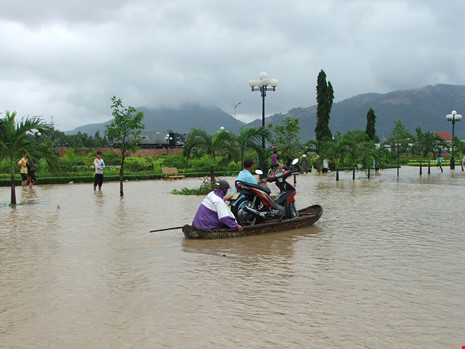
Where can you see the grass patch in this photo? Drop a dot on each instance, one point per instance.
(204, 189)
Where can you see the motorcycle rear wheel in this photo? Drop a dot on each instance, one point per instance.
(243, 217)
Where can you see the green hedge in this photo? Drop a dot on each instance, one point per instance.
(111, 178)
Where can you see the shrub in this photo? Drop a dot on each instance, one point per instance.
(137, 164)
(204, 189)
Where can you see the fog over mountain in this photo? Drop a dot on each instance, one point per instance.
(424, 107)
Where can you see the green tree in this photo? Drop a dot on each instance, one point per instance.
(456, 145)
(427, 145)
(250, 138)
(354, 148)
(434, 146)
(15, 142)
(221, 143)
(324, 98)
(368, 153)
(124, 129)
(371, 121)
(399, 141)
(286, 137)
(418, 148)
(334, 151)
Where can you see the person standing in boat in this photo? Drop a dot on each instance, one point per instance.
(213, 212)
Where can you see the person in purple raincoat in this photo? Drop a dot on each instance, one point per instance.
(213, 212)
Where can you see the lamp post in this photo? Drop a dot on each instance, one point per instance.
(235, 109)
(168, 140)
(263, 84)
(453, 117)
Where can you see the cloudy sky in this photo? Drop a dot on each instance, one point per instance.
(64, 60)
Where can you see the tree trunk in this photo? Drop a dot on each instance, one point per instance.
(368, 172)
(12, 181)
(212, 174)
(13, 190)
(429, 166)
(337, 174)
(121, 175)
(398, 163)
(353, 173)
(421, 168)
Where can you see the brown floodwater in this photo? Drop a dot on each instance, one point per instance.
(383, 268)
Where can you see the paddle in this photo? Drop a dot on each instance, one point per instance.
(173, 228)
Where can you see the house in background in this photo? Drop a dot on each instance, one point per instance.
(445, 135)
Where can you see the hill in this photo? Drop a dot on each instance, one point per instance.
(178, 120)
(424, 107)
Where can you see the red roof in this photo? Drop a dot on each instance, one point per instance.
(444, 135)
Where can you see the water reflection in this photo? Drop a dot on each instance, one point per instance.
(384, 267)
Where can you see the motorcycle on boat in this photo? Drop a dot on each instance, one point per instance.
(255, 203)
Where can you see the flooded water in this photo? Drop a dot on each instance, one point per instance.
(383, 268)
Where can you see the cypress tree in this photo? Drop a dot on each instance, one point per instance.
(324, 98)
(371, 121)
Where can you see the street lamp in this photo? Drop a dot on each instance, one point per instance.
(168, 140)
(263, 84)
(453, 117)
(235, 109)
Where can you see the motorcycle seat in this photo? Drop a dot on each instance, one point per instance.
(256, 186)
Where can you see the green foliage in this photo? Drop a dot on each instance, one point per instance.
(222, 143)
(124, 130)
(399, 141)
(4, 165)
(78, 140)
(286, 137)
(17, 138)
(138, 164)
(157, 167)
(204, 189)
(371, 121)
(126, 126)
(250, 138)
(110, 158)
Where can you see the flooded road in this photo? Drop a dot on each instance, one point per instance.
(384, 267)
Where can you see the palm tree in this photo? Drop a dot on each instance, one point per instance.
(368, 153)
(399, 141)
(433, 144)
(419, 146)
(251, 138)
(354, 148)
(222, 142)
(15, 141)
(334, 150)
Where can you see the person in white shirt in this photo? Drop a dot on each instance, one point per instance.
(99, 166)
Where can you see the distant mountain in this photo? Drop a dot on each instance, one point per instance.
(424, 107)
(178, 120)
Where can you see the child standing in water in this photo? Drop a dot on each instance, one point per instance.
(99, 166)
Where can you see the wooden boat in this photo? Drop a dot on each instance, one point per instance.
(307, 216)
